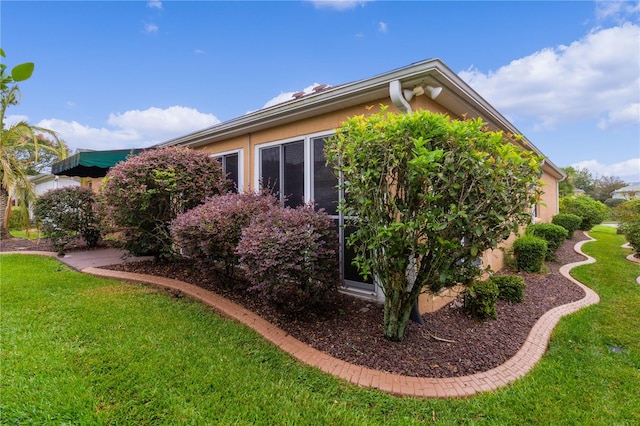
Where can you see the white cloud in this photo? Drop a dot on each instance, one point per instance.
(629, 114)
(10, 120)
(617, 11)
(593, 78)
(338, 4)
(382, 27)
(150, 28)
(154, 4)
(199, 52)
(287, 96)
(132, 129)
(628, 170)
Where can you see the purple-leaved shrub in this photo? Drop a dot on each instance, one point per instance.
(142, 195)
(211, 232)
(291, 256)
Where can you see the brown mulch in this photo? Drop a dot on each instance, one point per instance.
(351, 329)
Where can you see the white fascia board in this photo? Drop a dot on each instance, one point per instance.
(432, 71)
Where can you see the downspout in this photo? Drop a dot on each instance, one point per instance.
(398, 99)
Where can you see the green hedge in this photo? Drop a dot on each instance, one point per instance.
(510, 287)
(568, 221)
(529, 252)
(554, 235)
(480, 299)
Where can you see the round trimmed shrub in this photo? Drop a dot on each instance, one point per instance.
(591, 211)
(142, 195)
(529, 252)
(211, 232)
(67, 213)
(510, 287)
(480, 299)
(290, 256)
(568, 221)
(554, 235)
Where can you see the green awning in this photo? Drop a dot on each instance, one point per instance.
(91, 163)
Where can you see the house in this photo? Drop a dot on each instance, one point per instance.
(283, 144)
(629, 192)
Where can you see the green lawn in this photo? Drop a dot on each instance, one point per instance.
(81, 350)
(33, 234)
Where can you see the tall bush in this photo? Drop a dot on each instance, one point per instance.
(291, 256)
(568, 221)
(211, 232)
(554, 235)
(428, 194)
(142, 195)
(591, 211)
(67, 213)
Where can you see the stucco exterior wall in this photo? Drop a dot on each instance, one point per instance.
(549, 204)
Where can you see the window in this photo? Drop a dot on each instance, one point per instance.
(282, 171)
(231, 168)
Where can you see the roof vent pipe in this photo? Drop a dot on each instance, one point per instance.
(398, 99)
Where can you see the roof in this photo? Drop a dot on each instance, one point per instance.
(632, 187)
(92, 163)
(457, 96)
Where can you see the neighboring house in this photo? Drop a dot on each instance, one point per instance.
(45, 182)
(92, 165)
(629, 192)
(283, 144)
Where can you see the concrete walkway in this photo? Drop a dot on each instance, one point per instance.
(424, 387)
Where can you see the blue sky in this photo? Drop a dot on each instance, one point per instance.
(122, 74)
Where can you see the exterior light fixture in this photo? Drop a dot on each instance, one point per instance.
(432, 91)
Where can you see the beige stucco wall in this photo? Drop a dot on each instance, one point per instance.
(548, 205)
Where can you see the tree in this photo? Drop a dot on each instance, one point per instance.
(604, 186)
(15, 140)
(428, 195)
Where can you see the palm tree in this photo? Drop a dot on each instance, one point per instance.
(17, 138)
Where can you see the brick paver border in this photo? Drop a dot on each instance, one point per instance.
(424, 387)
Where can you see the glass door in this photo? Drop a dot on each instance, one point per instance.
(326, 195)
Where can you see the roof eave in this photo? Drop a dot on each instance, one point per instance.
(461, 99)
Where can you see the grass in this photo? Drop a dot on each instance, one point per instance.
(81, 350)
(32, 234)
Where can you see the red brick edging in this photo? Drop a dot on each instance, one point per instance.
(424, 387)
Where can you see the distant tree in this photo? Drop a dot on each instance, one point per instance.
(428, 195)
(16, 140)
(40, 161)
(566, 187)
(604, 186)
(583, 179)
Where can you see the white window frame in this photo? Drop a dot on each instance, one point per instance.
(240, 152)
